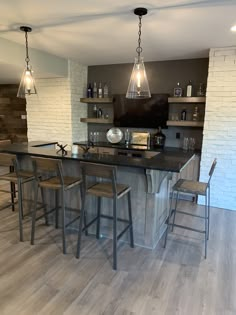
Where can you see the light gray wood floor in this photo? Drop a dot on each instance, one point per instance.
(39, 279)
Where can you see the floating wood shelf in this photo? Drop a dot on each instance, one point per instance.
(96, 100)
(185, 123)
(186, 99)
(96, 120)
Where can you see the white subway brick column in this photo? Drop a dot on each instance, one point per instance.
(219, 133)
(55, 112)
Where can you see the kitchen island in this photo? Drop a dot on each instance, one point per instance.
(149, 176)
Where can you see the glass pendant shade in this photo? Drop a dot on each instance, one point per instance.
(138, 84)
(27, 84)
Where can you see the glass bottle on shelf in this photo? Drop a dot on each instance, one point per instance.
(95, 90)
(201, 91)
(183, 114)
(89, 91)
(189, 89)
(196, 114)
(100, 90)
(105, 90)
(95, 111)
(178, 90)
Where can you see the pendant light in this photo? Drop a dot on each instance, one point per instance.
(27, 85)
(138, 84)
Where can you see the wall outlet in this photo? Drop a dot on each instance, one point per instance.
(23, 116)
(177, 135)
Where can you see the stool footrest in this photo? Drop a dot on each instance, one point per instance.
(90, 223)
(187, 228)
(111, 218)
(123, 232)
(46, 213)
(72, 221)
(192, 215)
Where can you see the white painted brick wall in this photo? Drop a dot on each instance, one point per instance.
(54, 114)
(78, 81)
(219, 134)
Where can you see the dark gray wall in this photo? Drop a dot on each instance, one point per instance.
(162, 75)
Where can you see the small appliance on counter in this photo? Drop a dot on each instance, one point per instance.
(158, 139)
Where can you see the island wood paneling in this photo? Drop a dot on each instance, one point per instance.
(12, 126)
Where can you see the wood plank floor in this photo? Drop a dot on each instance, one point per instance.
(39, 279)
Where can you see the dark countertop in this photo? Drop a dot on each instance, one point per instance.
(169, 159)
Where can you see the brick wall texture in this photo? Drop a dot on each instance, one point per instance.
(55, 112)
(219, 134)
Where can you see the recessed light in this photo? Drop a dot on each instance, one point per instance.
(233, 28)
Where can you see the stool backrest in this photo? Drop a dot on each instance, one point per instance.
(212, 170)
(7, 159)
(47, 166)
(99, 170)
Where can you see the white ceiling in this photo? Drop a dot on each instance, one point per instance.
(105, 32)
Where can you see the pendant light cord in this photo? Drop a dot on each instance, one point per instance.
(27, 60)
(139, 49)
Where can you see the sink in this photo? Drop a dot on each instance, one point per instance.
(137, 153)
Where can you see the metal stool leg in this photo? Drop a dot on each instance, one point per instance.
(98, 219)
(176, 200)
(168, 219)
(36, 186)
(130, 220)
(81, 225)
(12, 192)
(114, 233)
(44, 206)
(63, 220)
(57, 208)
(208, 230)
(20, 208)
(82, 192)
(206, 225)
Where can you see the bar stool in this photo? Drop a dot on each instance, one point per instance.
(12, 185)
(18, 177)
(107, 189)
(197, 188)
(49, 175)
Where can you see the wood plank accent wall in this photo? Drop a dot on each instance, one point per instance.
(12, 126)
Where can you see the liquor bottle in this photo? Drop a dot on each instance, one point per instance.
(105, 90)
(200, 91)
(178, 90)
(95, 90)
(89, 91)
(95, 111)
(196, 114)
(100, 90)
(183, 114)
(127, 137)
(189, 89)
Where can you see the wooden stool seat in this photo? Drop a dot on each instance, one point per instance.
(105, 190)
(190, 186)
(13, 177)
(55, 182)
(49, 175)
(108, 188)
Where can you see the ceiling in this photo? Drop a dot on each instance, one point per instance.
(106, 32)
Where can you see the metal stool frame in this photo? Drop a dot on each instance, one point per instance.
(110, 190)
(197, 188)
(54, 180)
